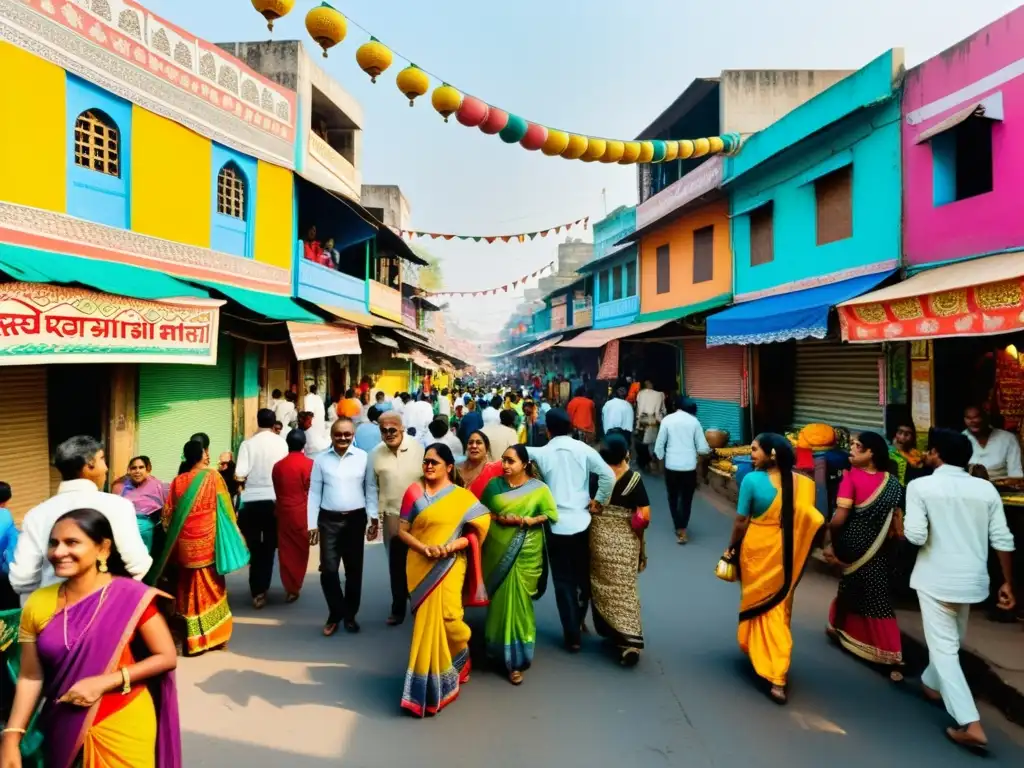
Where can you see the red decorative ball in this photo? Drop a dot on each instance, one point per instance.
(496, 120)
(472, 112)
(535, 137)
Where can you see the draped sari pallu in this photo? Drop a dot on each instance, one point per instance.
(438, 590)
(861, 618)
(515, 567)
(772, 558)
(145, 733)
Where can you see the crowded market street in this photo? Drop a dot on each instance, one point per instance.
(285, 695)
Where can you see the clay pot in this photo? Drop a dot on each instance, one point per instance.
(717, 438)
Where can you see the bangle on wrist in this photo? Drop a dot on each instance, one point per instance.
(126, 682)
(19, 731)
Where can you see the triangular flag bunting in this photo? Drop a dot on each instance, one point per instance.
(448, 237)
(545, 233)
(506, 238)
(568, 226)
(521, 238)
(477, 239)
(504, 288)
(532, 235)
(585, 222)
(514, 284)
(558, 230)
(490, 239)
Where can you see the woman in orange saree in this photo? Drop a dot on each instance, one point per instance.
(774, 531)
(199, 520)
(443, 525)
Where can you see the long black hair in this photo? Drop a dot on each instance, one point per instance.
(96, 526)
(781, 452)
(879, 449)
(523, 455)
(192, 453)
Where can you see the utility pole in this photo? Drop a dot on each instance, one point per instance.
(604, 200)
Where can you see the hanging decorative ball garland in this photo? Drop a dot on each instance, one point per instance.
(491, 291)
(329, 27)
(519, 237)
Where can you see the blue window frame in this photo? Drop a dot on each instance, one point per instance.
(233, 200)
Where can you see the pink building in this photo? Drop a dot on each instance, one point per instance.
(963, 147)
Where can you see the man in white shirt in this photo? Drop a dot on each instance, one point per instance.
(617, 414)
(83, 471)
(680, 441)
(440, 432)
(257, 520)
(566, 464)
(317, 440)
(491, 413)
(650, 410)
(285, 411)
(995, 449)
(275, 398)
(954, 518)
(339, 504)
(418, 416)
(501, 435)
(444, 405)
(315, 405)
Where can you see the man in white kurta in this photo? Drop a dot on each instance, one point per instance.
(954, 518)
(650, 410)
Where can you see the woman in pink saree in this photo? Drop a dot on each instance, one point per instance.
(101, 655)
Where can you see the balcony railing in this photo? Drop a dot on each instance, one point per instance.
(333, 161)
(323, 285)
(612, 312)
(385, 301)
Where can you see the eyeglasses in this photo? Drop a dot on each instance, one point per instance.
(344, 435)
(390, 431)
(432, 463)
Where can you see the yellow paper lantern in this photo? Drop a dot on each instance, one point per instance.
(413, 82)
(630, 152)
(614, 151)
(685, 149)
(576, 147)
(595, 149)
(646, 152)
(446, 100)
(327, 26)
(671, 151)
(556, 142)
(700, 147)
(373, 57)
(716, 144)
(273, 10)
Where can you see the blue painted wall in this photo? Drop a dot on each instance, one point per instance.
(542, 321)
(93, 195)
(228, 234)
(869, 141)
(612, 228)
(608, 312)
(322, 285)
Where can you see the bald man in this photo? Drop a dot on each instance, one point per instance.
(394, 465)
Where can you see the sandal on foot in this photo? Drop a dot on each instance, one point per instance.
(330, 628)
(259, 602)
(777, 693)
(394, 621)
(291, 597)
(516, 678)
(960, 737)
(630, 657)
(896, 675)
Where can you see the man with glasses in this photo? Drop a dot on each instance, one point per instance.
(393, 466)
(340, 500)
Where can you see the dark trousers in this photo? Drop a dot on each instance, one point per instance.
(397, 553)
(342, 542)
(258, 524)
(643, 455)
(681, 487)
(570, 572)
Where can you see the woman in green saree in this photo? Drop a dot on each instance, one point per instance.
(514, 560)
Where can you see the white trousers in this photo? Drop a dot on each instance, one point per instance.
(945, 626)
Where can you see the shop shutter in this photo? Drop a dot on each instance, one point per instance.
(837, 384)
(714, 379)
(25, 448)
(176, 401)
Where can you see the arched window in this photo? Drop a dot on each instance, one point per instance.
(231, 191)
(97, 143)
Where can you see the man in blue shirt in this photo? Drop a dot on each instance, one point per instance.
(338, 508)
(368, 433)
(566, 464)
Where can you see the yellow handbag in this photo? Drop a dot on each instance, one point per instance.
(726, 569)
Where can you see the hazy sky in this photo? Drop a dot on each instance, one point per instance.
(588, 66)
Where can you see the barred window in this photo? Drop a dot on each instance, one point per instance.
(97, 143)
(231, 191)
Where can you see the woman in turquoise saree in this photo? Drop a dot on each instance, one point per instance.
(514, 560)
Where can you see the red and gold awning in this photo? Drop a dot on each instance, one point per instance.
(980, 297)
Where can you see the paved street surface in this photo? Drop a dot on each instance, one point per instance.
(285, 696)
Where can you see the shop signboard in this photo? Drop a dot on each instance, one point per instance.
(42, 323)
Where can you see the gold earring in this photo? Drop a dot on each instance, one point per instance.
(773, 453)
(103, 565)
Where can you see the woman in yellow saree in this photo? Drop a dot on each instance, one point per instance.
(443, 525)
(775, 527)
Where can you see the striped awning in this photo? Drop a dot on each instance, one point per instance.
(315, 340)
(546, 344)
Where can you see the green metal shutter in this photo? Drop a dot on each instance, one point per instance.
(838, 384)
(176, 401)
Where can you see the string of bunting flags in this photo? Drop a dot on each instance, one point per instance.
(491, 291)
(329, 27)
(519, 237)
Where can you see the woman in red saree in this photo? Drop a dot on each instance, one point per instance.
(102, 656)
(202, 533)
(291, 477)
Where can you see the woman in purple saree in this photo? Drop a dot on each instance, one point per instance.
(100, 655)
